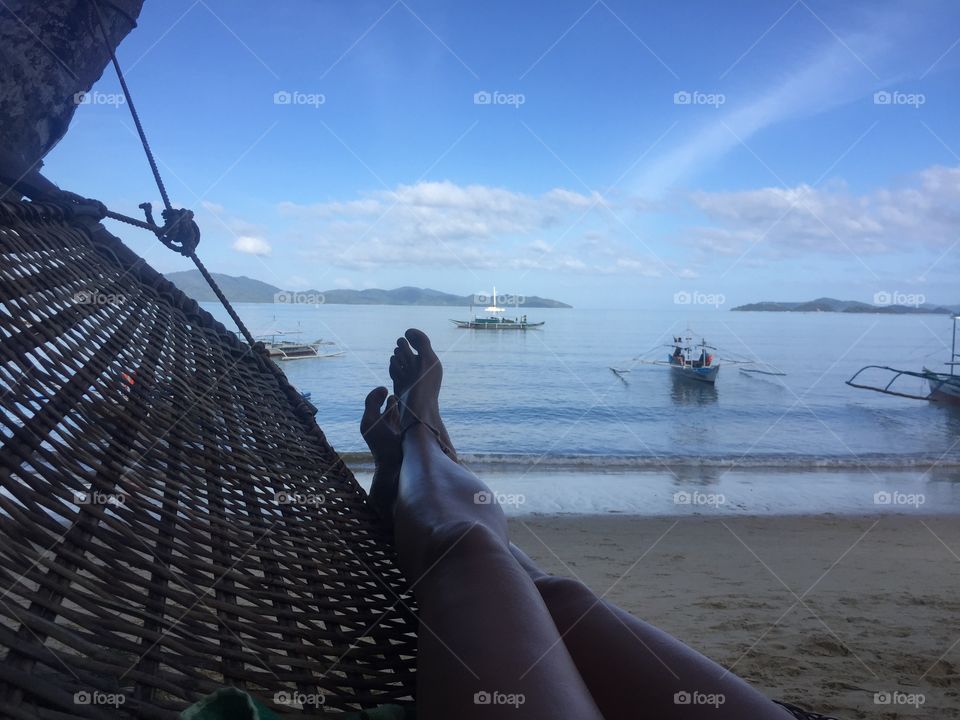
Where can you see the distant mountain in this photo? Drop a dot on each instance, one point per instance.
(847, 306)
(244, 289)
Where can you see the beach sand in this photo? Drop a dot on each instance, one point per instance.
(820, 610)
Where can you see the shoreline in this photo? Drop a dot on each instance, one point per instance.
(514, 462)
(699, 492)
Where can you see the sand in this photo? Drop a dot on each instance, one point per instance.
(823, 610)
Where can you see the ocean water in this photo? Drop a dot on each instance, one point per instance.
(548, 396)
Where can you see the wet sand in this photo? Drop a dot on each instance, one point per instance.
(821, 610)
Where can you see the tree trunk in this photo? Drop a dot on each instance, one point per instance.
(51, 52)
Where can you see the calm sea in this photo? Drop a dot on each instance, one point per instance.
(550, 393)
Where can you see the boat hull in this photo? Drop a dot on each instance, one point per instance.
(943, 388)
(470, 325)
(696, 374)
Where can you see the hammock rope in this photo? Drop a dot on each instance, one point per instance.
(179, 231)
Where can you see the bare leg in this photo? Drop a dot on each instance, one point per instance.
(484, 626)
(633, 669)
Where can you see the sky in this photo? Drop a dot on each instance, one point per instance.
(605, 153)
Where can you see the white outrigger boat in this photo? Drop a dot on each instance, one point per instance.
(280, 347)
(495, 320)
(944, 387)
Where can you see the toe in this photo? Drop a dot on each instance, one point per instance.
(371, 407)
(392, 413)
(405, 353)
(420, 342)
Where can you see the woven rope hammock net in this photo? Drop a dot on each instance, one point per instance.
(172, 519)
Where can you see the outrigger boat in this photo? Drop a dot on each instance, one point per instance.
(698, 361)
(281, 348)
(494, 320)
(944, 386)
(693, 361)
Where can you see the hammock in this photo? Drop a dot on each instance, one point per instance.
(172, 519)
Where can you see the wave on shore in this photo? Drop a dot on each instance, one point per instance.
(509, 461)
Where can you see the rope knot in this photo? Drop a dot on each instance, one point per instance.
(180, 232)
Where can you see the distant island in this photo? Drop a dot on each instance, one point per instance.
(244, 289)
(847, 306)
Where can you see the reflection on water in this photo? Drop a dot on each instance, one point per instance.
(684, 391)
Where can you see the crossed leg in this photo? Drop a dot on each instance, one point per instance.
(494, 627)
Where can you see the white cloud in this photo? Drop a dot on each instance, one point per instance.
(251, 245)
(922, 215)
(466, 226)
(840, 71)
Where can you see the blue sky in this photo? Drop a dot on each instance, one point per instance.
(628, 153)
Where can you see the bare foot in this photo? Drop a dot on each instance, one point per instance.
(381, 431)
(416, 381)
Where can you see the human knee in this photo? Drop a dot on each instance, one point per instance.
(460, 540)
(556, 587)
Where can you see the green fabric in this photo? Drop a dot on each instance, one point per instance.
(228, 704)
(231, 703)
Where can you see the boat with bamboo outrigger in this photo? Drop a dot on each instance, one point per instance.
(495, 319)
(697, 361)
(944, 387)
(285, 345)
